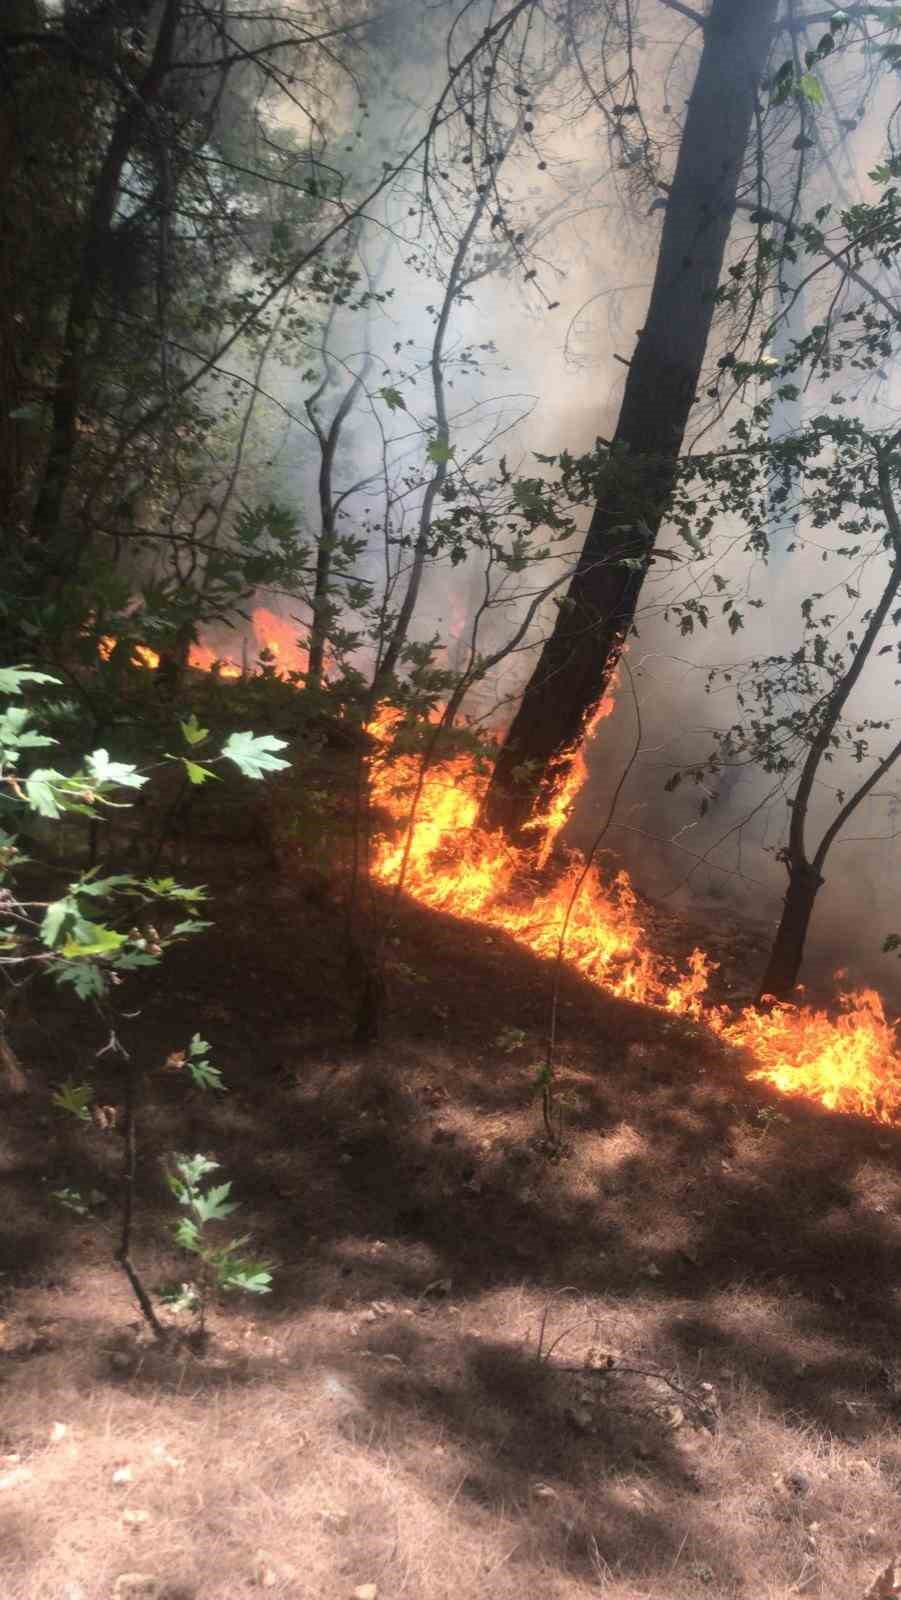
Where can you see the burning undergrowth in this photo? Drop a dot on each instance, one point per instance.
(848, 1062)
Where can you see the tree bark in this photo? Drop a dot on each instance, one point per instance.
(60, 550)
(787, 952)
(580, 655)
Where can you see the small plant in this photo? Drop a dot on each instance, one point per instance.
(95, 937)
(74, 1200)
(545, 1081)
(220, 1267)
(510, 1039)
(767, 1118)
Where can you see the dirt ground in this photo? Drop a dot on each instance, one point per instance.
(665, 1364)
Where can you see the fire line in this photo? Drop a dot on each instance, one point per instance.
(849, 1062)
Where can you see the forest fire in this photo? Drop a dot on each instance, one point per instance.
(278, 636)
(848, 1063)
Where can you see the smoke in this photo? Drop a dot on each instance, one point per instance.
(537, 364)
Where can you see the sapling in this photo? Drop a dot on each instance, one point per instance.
(93, 937)
(220, 1266)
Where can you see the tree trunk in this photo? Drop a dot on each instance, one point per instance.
(781, 976)
(61, 548)
(580, 655)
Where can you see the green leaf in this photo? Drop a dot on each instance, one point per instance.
(73, 1200)
(168, 889)
(196, 774)
(393, 399)
(193, 925)
(92, 939)
(40, 789)
(15, 733)
(103, 770)
(74, 1098)
(12, 679)
(192, 732)
(252, 754)
(193, 1168)
(245, 1276)
(206, 1076)
(86, 979)
(440, 451)
(215, 1204)
(55, 916)
(811, 88)
(187, 1234)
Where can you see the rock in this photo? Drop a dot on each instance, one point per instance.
(798, 1482)
(366, 1591)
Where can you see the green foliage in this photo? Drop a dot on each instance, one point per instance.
(510, 1039)
(75, 1098)
(253, 754)
(222, 1266)
(94, 935)
(75, 1200)
(393, 399)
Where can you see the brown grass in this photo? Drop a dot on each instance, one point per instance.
(383, 1417)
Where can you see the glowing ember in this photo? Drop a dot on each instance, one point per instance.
(849, 1063)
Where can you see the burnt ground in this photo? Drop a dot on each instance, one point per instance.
(664, 1363)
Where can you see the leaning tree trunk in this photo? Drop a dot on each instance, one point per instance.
(787, 952)
(580, 655)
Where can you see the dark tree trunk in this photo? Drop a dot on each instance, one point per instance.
(580, 655)
(61, 548)
(787, 952)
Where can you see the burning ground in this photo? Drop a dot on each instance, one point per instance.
(708, 1273)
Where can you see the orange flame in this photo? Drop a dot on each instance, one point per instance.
(848, 1063)
(278, 635)
(141, 655)
(557, 813)
(204, 659)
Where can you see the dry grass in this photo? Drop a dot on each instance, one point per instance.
(384, 1418)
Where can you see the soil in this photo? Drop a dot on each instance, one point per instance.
(661, 1362)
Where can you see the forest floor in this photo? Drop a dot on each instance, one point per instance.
(663, 1365)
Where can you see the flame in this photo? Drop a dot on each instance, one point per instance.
(453, 867)
(141, 655)
(557, 812)
(848, 1063)
(204, 659)
(278, 635)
